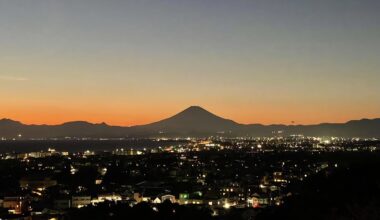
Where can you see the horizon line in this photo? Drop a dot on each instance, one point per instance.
(115, 125)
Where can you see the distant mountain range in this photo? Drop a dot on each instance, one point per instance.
(192, 122)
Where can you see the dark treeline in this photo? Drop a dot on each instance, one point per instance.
(351, 192)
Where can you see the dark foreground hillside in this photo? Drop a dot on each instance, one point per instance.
(350, 192)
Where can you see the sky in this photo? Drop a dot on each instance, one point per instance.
(129, 62)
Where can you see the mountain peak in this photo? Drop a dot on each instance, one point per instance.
(7, 121)
(195, 108)
(195, 112)
(194, 118)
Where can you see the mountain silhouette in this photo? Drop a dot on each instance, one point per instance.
(194, 122)
(9, 122)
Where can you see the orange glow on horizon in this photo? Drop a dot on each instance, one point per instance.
(55, 116)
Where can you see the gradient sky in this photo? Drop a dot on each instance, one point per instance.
(130, 62)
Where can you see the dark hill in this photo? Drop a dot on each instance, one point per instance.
(193, 121)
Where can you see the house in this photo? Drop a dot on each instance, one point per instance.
(16, 205)
(80, 201)
(61, 204)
